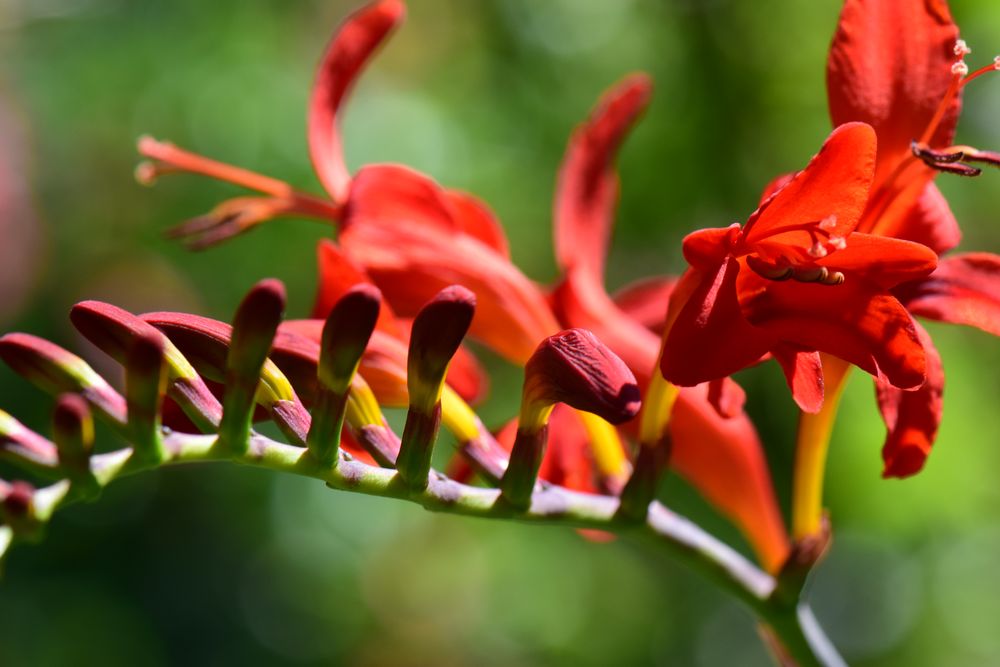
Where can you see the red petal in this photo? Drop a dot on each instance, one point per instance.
(645, 301)
(881, 260)
(705, 249)
(468, 377)
(710, 337)
(580, 302)
(391, 195)
(338, 274)
(911, 417)
(965, 289)
(587, 189)
(724, 460)
(411, 264)
(854, 321)
(774, 185)
(835, 183)
(804, 374)
(353, 44)
(727, 397)
(889, 66)
(928, 221)
(477, 220)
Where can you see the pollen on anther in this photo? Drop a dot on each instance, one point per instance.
(828, 223)
(961, 48)
(960, 68)
(996, 62)
(838, 242)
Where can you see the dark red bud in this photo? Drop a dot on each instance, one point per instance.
(575, 368)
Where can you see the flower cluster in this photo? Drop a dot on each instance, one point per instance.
(827, 273)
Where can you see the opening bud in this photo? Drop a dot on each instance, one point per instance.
(571, 367)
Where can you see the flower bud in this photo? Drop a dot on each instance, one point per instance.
(113, 330)
(254, 326)
(437, 332)
(57, 371)
(345, 335)
(571, 367)
(25, 449)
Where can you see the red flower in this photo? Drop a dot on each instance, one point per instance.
(715, 446)
(899, 66)
(798, 278)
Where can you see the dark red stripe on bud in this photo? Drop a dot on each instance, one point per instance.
(437, 332)
(145, 385)
(57, 371)
(346, 333)
(114, 330)
(254, 326)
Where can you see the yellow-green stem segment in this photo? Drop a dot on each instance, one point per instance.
(811, 447)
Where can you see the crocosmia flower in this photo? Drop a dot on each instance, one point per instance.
(797, 278)
(899, 65)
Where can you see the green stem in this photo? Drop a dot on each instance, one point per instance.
(794, 626)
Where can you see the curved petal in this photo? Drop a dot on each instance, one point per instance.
(710, 338)
(587, 187)
(352, 45)
(911, 417)
(579, 301)
(337, 274)
(965, 289)
(410, 264)
(724, 459)
(855, 321)
(645, 301)
(834, 183)
(889, 66)
(393, 195)
(880, 260)
(477, 220)
(804, 374)
(928, 221)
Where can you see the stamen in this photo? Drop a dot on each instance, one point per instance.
(932, 157)
(960, 69)
(962, 49)
(828, 223)
(838, 242)
(818, 274)
(955, 168)
(817, 250)
(768, 271)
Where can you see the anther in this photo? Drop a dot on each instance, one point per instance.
(961, 48)
(960, 69)
(996, 62)
(768, 271)
(838, 242)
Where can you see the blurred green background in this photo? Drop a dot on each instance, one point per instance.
(228, 566)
